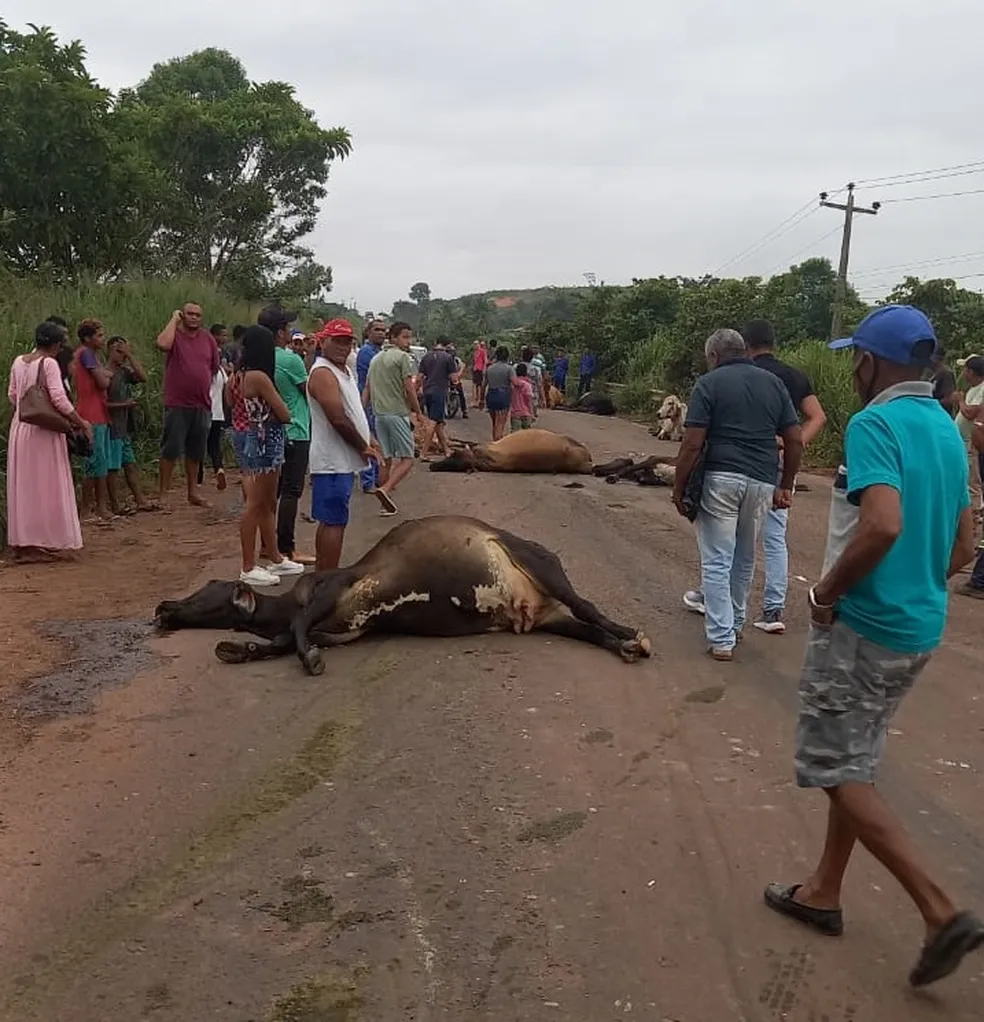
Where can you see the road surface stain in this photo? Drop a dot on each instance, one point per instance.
(553, 831)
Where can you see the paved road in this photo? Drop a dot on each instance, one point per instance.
(509, 828)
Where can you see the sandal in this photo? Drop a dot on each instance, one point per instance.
(781, 899)
(944, 953)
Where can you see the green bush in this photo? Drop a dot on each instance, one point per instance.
(138, 310)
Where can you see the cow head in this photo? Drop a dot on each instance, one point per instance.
(219, 605)
(670, 408)
(461, 460)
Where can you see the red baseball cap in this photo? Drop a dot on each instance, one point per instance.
(336, 328)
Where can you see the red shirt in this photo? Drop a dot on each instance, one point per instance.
(191, 363)
(90, 399)
(481, 359)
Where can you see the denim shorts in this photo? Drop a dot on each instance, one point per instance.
(331, 493)
(259, 449)
(498, 399)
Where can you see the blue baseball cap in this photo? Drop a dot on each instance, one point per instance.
(892, 333)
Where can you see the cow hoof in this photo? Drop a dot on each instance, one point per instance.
(632, 650)
(232, 652)
(314, 663)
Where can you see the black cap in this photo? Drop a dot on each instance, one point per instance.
(275, 317)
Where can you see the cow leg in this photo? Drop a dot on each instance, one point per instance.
(545, 567)
(560, 624)
(245, 652)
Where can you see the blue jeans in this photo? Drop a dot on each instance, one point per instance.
(369, 477)
(732, 509)
(776, 559)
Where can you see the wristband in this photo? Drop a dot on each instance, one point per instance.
(813, 601)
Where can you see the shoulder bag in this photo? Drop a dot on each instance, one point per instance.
(35, 406)
(694, 489)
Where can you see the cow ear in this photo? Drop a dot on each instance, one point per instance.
(244, 598)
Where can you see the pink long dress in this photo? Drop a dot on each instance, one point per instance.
(41, 508)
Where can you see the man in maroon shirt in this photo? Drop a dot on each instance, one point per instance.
(192, 359)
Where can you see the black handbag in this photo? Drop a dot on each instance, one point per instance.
(694, 489)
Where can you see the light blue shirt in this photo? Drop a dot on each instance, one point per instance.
(903, 439)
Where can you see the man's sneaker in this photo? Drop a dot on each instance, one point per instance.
(693, 600)
(771, 621)
(286, 567)
(259, 577)
(969, 590)
(722, 654)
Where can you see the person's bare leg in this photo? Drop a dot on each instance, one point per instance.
(88, 497)
(382, 476)
(266, 486)
(328, 546)
(248, 525)
(427, 435)
(191, 472)
(112, 491)
(823, 889)
(882, 834)
(442, 438)
(102, 499)
(399, 470)
(166, 473)
(132, 476)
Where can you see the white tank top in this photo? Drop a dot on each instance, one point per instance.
(330, 454)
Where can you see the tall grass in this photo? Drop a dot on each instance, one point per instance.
(137, 309)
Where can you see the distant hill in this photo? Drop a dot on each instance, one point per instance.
(489, 312)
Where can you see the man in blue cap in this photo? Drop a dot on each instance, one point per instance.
(900, 525)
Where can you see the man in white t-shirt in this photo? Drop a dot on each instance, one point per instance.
(971, 405)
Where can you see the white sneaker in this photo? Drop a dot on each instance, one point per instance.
(693, 600)
(259, 577)
(286, 567)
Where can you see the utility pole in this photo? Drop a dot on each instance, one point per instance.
(840, 290)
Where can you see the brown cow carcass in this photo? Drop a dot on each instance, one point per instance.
(526, 450)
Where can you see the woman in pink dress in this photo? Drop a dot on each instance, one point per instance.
(42, 516)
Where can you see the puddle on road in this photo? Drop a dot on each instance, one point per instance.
(105, 655)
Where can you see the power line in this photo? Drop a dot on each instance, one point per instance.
(939, 195)
(803, 213)
(816, 241)
(927, 178)
(875, 271)
(919, 173)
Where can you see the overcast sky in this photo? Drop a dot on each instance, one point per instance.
(507, 144)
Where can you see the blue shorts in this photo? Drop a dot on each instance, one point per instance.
(331, 494)
(97, 464)
(259, 449)
(395, 435)
(120, 453)
(436, 407)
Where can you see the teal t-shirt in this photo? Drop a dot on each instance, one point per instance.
(290, 375)
(910, 443)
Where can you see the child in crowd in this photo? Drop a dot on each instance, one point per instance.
(127, 372)
(521, 406)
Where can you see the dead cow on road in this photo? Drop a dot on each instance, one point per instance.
(526, 450)
(442, 576)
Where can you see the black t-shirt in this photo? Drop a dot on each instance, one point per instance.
(437, 367)
(797, 382)
(743, 408)
(944, 384)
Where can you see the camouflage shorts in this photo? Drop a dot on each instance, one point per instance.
(849, 690)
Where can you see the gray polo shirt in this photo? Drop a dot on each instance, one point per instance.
(743, 408)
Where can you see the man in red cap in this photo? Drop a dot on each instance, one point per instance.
(340, 440)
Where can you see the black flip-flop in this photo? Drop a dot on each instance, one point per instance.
(828, 921)
(944, 953)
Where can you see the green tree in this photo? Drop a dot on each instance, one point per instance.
(62, 176)
(956, 313)
(239, 168)
(420, 293)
